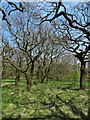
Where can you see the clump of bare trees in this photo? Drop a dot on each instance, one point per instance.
(31, 46)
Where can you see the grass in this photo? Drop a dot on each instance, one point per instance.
(53, 100)
(8, 81)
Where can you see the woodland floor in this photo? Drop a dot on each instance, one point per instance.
(55, 100)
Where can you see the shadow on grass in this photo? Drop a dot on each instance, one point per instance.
(58, 114)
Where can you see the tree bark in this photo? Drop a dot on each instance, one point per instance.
(47, 74)
(42, 79)
(32, 69)
(82, 75)
(17, 79)
(29, 81)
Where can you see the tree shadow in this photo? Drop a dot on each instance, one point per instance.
(58, 114)
(69, 88)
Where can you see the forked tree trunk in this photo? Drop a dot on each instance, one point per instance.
(82, 75)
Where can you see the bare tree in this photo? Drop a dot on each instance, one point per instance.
(72, 29)
(50, 53)
(22, 46)
(74, 19)
(8, 8)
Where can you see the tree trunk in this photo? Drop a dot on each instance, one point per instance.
(82, 75)
(32, 69)
(38, 73)
(29, 81)
(47, 74)
(42, 75)
(57, 78)
(42, 78)
(47, 78)
(17, 79)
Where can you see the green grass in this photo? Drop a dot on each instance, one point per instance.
(8, 80)
(53, 100)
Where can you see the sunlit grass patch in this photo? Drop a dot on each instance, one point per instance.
(44, 99)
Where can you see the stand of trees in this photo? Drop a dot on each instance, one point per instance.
(31, 45)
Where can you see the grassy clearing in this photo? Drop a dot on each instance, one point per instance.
(53, 100)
